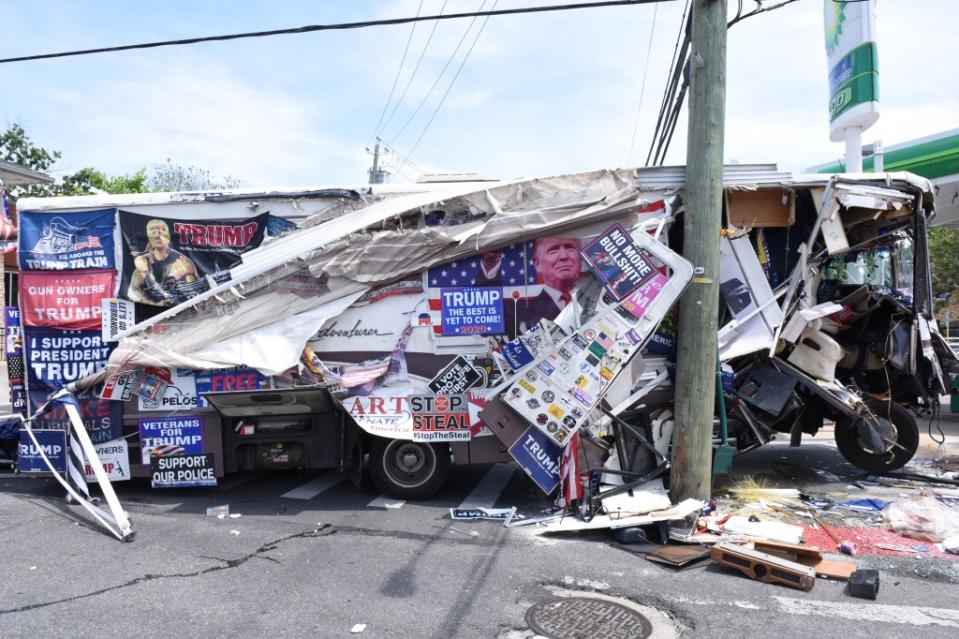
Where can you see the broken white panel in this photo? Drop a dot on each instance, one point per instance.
(800, 319)
(274, 348)
(600, 522)
(832, 229)
(750, 298)
(644, 499)
(771, 530)
(817, 354)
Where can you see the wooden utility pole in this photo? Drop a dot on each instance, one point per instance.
(691, 472)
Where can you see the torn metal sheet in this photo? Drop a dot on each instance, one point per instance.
(600, 522)
(747, 294)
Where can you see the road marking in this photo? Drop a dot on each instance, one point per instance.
(386, 502)
(882, 613)
(488, 490)
(314, 487)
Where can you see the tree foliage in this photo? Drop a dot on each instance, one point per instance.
(88, 181)
(944, 260)
(16, 147)
(176, 177)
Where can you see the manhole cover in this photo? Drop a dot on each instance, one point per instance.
(586, 618)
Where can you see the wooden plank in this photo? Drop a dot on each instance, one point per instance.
(763, 208)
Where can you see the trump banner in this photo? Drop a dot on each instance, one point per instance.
(167, 261)
(66, 241)
(67, 300)
(54, 358)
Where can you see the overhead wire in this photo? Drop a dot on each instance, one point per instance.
(439, 77)
(399, 70)
(416, 68)
(452, 82)
(332, 27)
(676, 93)
(671, 79)
(642, 87)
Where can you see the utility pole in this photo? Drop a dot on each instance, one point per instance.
(691, 472)
(376, 176)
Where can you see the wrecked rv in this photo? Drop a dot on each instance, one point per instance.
(528, 319)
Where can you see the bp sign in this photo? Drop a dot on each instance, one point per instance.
(853, 66)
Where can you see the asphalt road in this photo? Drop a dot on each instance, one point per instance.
(328, 556)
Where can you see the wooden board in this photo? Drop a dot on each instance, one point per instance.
(832, 568)
(763, 208)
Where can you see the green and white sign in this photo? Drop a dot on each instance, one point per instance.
(853, 66)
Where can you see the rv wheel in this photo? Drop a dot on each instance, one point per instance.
(408, 470)
(895, 425)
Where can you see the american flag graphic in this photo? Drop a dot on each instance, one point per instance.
(572, 489)
(517, 276)
(92, 241)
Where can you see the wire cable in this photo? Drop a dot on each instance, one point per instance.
(671, 79)
(666, 128)
(642, 86)
(332, 27)
(452, 82)
(399, 70)
(415, 69)
(439, 77)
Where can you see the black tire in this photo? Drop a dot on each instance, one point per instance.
(906, 434)
(408, 470)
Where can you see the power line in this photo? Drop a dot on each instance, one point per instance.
(680, 53)
(676, 93)
(399, 70)
(642, 87)
(415, 69)
(452, 82)
(332, 27)
(439, 77)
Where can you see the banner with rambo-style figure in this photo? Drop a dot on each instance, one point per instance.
(166, 261)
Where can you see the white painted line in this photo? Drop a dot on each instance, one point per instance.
(488, 490)
(881, 613)
(385, 502)
(314, 487)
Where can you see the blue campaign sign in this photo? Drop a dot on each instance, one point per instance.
(54, 358)
(54, 445)
(539, 457)
(66, 241)
(13, 338)
(239, 378)
(101, 418)
(516, 354)
(474, 310)
(170, 436)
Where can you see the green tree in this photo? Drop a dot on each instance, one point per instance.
(88, 181)
(16, 147)
(944, 260)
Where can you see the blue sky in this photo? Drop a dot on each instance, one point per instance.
(540, 94)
